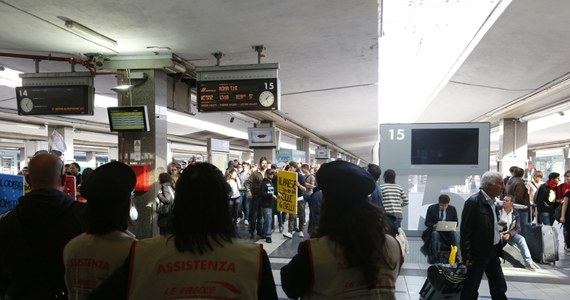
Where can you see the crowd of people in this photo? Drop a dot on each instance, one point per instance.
(85, 251)
(58, 248)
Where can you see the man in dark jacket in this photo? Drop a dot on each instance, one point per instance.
(441, 211)
(517, 188)
(481, 243)
(34, 233)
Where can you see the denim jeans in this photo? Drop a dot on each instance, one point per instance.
(546, 218)
(245, 204)
(267, 218)
(524, 220)
(436, 240)
(520, 242)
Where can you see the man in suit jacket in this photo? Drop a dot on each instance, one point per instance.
(481, 244)
(440, 211)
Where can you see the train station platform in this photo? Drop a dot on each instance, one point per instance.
(550, 281)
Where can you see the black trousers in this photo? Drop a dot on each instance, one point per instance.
(490, 266)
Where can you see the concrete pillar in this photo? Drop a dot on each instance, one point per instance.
(267, 153)
(304, 144)
(566, 155)
(113, 154)
(153, 94)
(68, 135)
(334, 155)
(246, 156)
(91, 158)
(513, 146)
(218, 153)
(28, 151)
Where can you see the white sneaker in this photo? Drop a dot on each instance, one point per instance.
(531, 266)
(301, 234)
(288, 235)
(246, 222)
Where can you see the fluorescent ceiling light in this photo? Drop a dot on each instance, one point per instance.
(90, 34)
(175, 68)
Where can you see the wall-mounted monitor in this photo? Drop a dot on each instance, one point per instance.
(435, 148)
(128, 118)
(55, 100)
(262, 137)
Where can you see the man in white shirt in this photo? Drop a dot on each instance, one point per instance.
(510, 220)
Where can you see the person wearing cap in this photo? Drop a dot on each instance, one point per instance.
(351, 255)
(34, 233)
(92, 256)
(202, 258)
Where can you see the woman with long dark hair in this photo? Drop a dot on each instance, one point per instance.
(351, 255)
(201, 258)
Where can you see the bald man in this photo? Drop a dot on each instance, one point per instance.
(34, 233)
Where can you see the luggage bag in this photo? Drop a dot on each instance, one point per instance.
(542, 241)
(444, 281)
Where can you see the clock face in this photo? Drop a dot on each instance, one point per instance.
(26, 104)
(266, 98)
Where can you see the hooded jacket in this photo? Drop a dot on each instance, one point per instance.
(33, 235)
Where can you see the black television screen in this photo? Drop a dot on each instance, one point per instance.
(445, 146)
(128, 118)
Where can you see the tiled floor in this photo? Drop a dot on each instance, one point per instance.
(550, 282)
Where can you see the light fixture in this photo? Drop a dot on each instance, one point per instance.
(141, 78)
(175, 68)
(550, 110)
(90, 34)
(123, 88)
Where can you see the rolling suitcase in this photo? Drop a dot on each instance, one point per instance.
(542, 241)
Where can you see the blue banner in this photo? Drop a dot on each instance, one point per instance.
(11, 188)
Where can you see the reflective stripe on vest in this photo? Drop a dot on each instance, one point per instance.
(333, 279)
(159, 271)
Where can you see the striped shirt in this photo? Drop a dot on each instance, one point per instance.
(393, 199)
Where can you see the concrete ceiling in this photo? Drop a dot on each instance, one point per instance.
(328, 55)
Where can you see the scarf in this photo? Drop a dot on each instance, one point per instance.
(551, 184)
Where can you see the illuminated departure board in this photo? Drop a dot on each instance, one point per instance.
(237, 95)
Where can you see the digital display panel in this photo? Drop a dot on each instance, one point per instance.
(237, 95)
(128, 118)
(445, 146)
(435, 148)
(262, 137)
(55, 100)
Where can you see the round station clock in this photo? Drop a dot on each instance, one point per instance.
(266, 98)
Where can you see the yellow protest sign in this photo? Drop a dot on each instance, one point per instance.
(287, 189)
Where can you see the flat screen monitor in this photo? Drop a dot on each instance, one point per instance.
(55, 100)
(128, 118)
(445, 146)
(262, 137)
(435, 148)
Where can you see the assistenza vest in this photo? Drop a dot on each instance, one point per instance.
(333, 279)
(159, 271)
(89, 259)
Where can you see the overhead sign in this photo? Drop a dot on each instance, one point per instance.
(238, 88)
(54, 100)
(61, 93)
(236, 95)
